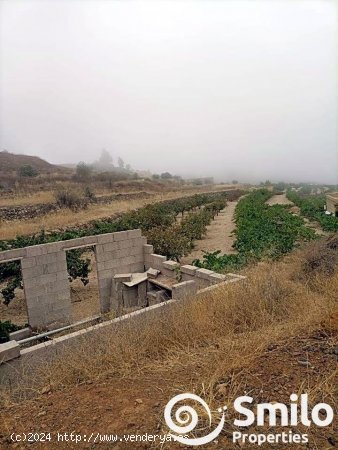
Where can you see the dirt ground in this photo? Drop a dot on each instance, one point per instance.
(219, 235)
(16, 311)
(279, 200)
(85, 298)
(135, 405)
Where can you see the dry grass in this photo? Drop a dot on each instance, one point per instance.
(221, 333)
(25, 199)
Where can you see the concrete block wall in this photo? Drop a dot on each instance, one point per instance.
(45, 276)
(184, 289)
(46, 285)
(120, 252)
(202, 277)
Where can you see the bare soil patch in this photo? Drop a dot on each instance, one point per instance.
(135, 405)
(219, 235)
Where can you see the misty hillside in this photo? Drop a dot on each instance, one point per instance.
(9, 162)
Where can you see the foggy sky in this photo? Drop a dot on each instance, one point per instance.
(232, 88)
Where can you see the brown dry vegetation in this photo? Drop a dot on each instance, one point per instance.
(245, 337)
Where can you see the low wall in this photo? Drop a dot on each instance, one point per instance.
(31, 358)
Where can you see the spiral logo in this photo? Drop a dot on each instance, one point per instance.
(187, 418)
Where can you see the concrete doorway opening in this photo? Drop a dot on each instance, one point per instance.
(83, 282)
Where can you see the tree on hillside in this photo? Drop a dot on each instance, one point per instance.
(106, 159)
(166, 176)
(120, 162)
(28, 171)
(83, 170)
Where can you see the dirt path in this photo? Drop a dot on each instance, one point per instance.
(219, 235)
(281, 199)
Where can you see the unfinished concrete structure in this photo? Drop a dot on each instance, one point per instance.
(129, 275)
(332, 203)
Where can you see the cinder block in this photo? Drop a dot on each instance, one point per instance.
(111, 247)
(107, 256)
(137, 267)
(47, 278)
(35, 291)
(106, 273)
(55, 247)
(100, 265)
(130, 296)
(142, 294)
(28, 262)
(137, 251)
(152, 273)
(20, 334)
(187, 277)
(36, 250)
(137, 242)
(184, 289)
(99, 252)
(155, 297)
(32, 272)
(112, 264)
(105, 283)
(31, 282)
(134, 233)
(189, 269)
(73, 243)
(121, 277)
(89, 240)
(8, 255)
(105, 238)
(123, 253)
(148, 249)
(204, 273)
(62, 275)
(129, 260)
(121, 236)
(158, 260)
(56, 286)
(171, 265)
(217, 278)
(9, 350)
(49, 258)
(128, 243)
(61, 266)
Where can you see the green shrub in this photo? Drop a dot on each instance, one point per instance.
(6, 328)
(312, 207)
(28, 171)
(262, 231)
(83, 171)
